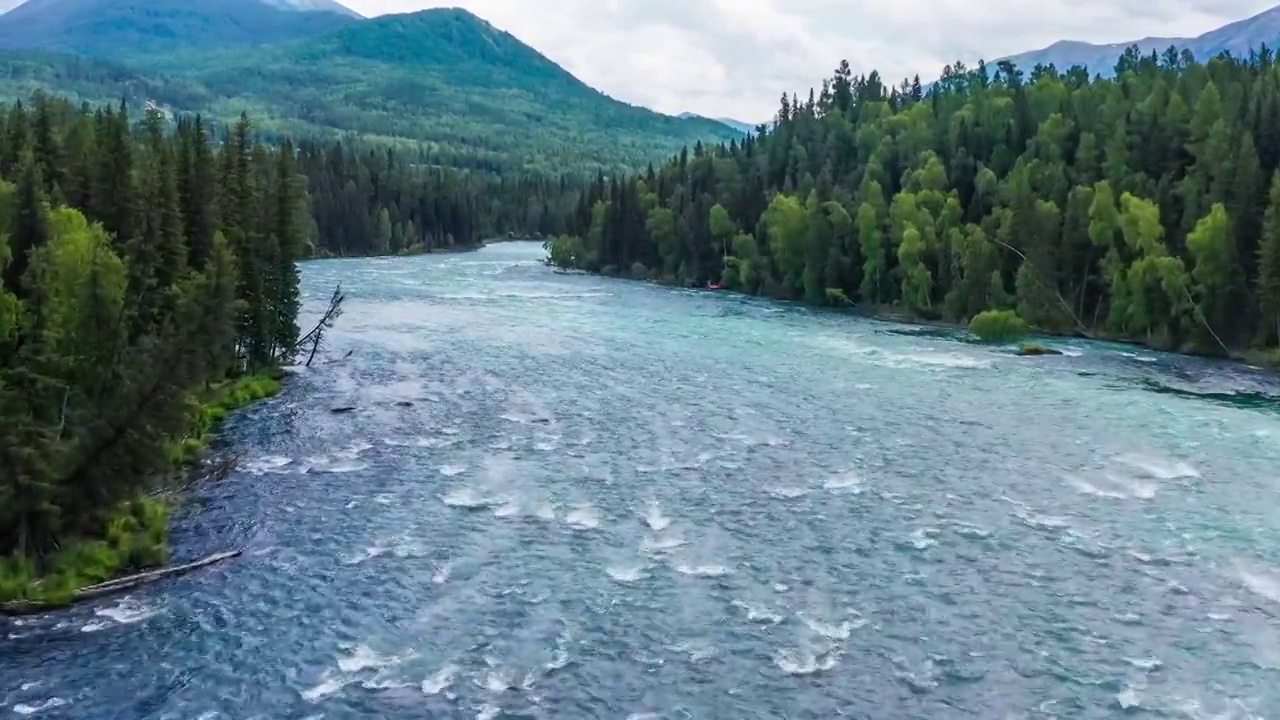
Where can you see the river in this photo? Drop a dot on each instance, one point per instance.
(562, 496)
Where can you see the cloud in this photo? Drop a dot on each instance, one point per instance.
(736, 57)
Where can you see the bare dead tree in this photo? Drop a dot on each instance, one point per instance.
(315, 338)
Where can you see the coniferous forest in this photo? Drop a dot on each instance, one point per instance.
(149, 280)
(148, 264)
(1144, 206)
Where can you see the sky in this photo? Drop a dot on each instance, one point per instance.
(734, 58)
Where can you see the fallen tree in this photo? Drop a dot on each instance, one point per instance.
(118, 585)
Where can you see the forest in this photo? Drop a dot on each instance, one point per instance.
(1143, 207)
(149, 284)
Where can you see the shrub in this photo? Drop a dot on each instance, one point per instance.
(639, 271)
(998, 326)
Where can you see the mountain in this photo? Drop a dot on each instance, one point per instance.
(742, 127)
(1237, 38)
(130, 28)
(315, 6)
(477, 95)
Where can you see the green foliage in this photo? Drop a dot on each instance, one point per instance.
(1131, 207)
(472, 95)
(219, 401)
(147, 287)
(998, 326)
(132, 539)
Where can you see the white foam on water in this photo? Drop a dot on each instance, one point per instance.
(39, 707)
(506, 510)
(697, 650)
(654, 518)
(469, 498)
(362, 658)
(844, 481)
(29, 686)
(703, 571)
(127, 612)
(329, 685)
(421, 442)
(368, 553)
(545, 511)
(441, 681)
(1160, 468)
(626, 574)
(804, 662)
(441, 575)
(1260, 581)
(972, 531)
(1042, 522)
(922, 538)
(1129, 698)
(758, 614)
(488, 711)
(498, 681)
(1139, 358)
(583, 517)
(831, 631)
(1144, 663)
(661, 544)
(452, 470)
(267, 464)
(338, 467)
(788, 492)
(384, 681)
(1089, 488)
(351, 452)
(644, 716)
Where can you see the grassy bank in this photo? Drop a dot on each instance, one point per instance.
(207, 413)
(134, 537)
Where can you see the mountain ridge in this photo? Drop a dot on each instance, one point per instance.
(117, 29)
(1237, 37)
(441, 76)
(743, 127)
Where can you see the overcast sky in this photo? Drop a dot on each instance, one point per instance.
(735, 57)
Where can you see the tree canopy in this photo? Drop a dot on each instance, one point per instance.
(1141, 206)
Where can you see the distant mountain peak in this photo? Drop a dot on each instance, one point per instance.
(742, 127)
(315, 6)
(1237, 38)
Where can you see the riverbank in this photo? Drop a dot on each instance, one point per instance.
(1263, 359)
(134, 537)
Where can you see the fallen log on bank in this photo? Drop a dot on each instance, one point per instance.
(118, 585)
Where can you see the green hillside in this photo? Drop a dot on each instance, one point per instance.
(119, 29)
(475, 94)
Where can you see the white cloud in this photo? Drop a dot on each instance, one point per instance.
(735, 57)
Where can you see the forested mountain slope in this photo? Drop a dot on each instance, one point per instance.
(475, 94)
(1144, 207)
(122, 29)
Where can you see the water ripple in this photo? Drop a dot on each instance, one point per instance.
(566, 497)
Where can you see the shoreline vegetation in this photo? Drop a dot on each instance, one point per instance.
(1141, 208)
(148, 288)
(136, 533)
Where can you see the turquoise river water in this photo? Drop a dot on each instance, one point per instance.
(562, 496)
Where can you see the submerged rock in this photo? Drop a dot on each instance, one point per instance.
(343, 409)
(1034, 350)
